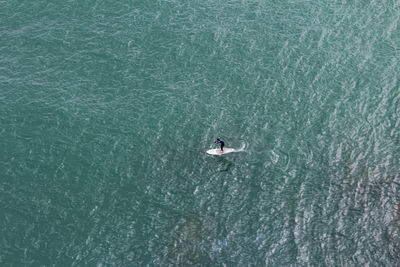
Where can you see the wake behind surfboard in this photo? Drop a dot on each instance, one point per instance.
(217, 151)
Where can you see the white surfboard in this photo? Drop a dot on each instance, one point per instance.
(217, 151)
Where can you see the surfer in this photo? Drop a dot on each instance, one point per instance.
(220, 141)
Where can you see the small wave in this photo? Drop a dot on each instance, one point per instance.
(242, 147)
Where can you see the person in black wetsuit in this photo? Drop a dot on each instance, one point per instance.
(220, 141)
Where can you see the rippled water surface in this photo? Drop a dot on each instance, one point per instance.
(107, 109)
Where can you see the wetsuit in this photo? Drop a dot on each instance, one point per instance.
(220, 141)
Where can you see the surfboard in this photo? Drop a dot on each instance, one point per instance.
(217, 151)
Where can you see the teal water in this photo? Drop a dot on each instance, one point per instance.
(107, 109)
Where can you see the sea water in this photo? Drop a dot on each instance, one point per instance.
(107, 109)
